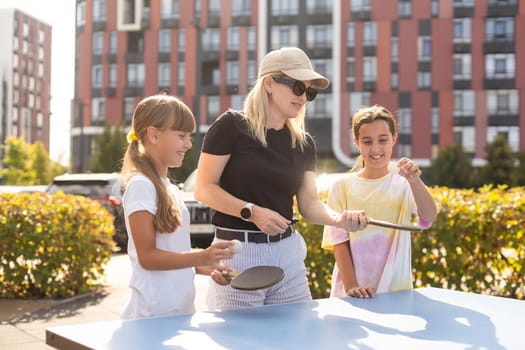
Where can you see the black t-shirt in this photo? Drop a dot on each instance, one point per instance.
(266, 176)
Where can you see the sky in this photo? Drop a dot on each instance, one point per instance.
(60, 14)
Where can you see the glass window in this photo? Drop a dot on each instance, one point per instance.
(462, 33)
(464, 103)
(463, 3)
(211, 39)
(214, 104)
(404, 118)
(503, 102)
(97, 76)
(360, 5)
(252, 38)
(98, 109)
(462, 66)
(511, 133)
(214, 7)
(319, 36)
(112, 75)
(233, 41)
(318, 6)
(232, 72)
(434, 8)
(98, 43)
(499, 66)
(369, 34)
(99, 10)
(499, 28)
(369, 69)
(424, 48)
(424, 80)
(182, 40)
(350, 34)
(252, 71)
(323, 66)
(169, 9)
(435, 120)
(81, 13)
(237, 101)
(181, 74)
(113, 41)
(394, 48)
(129, 107)
(404, 8)
(135, 75)
(241, 8)
(394, 80)
(321, 108)
(164, 40)
(284, 36)
(285, 7)
(164, 73)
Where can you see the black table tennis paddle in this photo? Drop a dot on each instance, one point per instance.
(257, 277)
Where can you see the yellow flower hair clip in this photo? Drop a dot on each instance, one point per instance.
(132, 136)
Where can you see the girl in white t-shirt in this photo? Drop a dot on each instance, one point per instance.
(157, 220)
(376, 259)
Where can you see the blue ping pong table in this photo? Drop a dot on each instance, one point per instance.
(426, 318)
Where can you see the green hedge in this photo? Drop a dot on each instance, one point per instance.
(476, 244)
(52, 246)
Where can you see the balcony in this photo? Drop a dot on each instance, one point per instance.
(499, 83)
(502, 8)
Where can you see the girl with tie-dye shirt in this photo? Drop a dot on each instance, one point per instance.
(376, 259)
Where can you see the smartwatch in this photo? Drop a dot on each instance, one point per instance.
(246, 211)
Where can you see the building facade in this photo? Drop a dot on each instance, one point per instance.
(25, 77)
(448, 69)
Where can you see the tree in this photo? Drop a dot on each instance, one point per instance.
(500, 169)
(110, 147)
(520, 170)
(452, 168)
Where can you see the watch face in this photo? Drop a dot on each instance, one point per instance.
(246, 213)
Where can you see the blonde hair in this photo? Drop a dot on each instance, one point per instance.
(163, 112)
(367, 115)
(257, 109)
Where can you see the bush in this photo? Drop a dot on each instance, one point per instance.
(52, 246)
(475, 245)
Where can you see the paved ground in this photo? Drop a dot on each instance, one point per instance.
(23, 323)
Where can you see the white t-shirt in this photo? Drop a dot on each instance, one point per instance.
(158, 292)
(381, 256)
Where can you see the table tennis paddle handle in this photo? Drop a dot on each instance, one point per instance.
(392, 225)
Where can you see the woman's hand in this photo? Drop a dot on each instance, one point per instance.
(222, 274)
(361, 292)
(269, 221)
(351, 220)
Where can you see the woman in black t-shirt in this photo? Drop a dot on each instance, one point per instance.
(253, 163)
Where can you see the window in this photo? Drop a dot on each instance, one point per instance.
(350, 70)
(241, 7)
(463, 3)
(252, 71)
(369, 69)
(232, 72)
(214, 7)
(358, 100)
(285, 7)
(503, 102)
(129, 107)
(81, 13)
(211, 39)
(435, 120)
(113, 41)
(462, 33)
(99, 10)
(181, 74)
(98, 43)
(500, 28)
(97, 76)
(369, 34)
(98, 109)
(321, 107)
(41, 36)
(112, 75)
(237, 101)
(499, 66)
(164, 40)
(319, 36)
(511, 133)
(360, 5)
(424, 80)
(135, 75)
(434, 8)
(214, 105)
(164, 74)
(169, 9)
(314, 7)
(394, 47)
(462, 66)
(404, 8)
(350, 34)
(404, 120)
(284, 36)
(323, 66)
(182, 41)
(233, 41)
(464, 103)
(394, 80)
(424, 48)
(252, 39)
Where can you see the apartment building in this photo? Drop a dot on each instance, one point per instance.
(449, 69)
(25, 72)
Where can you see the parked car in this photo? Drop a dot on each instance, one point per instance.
(201, 229)
(105, 188)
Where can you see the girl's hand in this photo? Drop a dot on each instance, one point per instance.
(222, 274)
(409, 169)
(361, 292)
(214, 254)
(351, 220)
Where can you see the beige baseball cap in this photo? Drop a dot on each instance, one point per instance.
(293, 62)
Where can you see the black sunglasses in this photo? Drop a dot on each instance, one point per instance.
(298, 87)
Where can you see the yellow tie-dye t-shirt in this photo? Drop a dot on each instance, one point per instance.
(381, 256)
